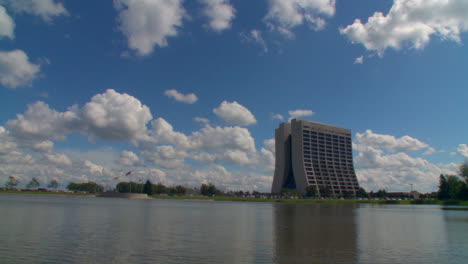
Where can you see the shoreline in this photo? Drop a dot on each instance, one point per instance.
(263, 200)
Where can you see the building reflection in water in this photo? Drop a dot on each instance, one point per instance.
(315, 233)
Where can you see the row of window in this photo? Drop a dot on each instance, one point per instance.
(314, 138)
(334, 186)
(320, 134)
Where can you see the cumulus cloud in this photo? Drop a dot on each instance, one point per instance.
(180, 97)
(411, 22)
(279, 117)
(165, 156)
(234, 114)
(223, 138)
(163, 132)
(255, 36)
(220, 13)
(147, 23)
(58, 159)
(7, 25)
(201, 120)
(359, 60)
(300, 113)
(270, 144)
(391, 143)
(284, 15)
(46, 9)
(40, 123)
(382, 163)
(463, 150)
(108, 116)
(16, 69)
(7, 144)
(116, 116)
(129, 158)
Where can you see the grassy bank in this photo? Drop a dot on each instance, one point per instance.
(47, 193)
(271, 200)
(326, 201)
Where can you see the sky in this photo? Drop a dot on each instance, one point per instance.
(190, 92)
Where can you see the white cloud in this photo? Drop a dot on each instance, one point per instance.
(147, 23)
(115, 116)
(223, 138)
(7, 144)
(108, 116)
(165, 156)
(40, 123)
(270, 144)
(430, 151)
(163, 132)
(284, 15)
(391, 143)
(58, 159)
(463, 150)
(278, 117)
(7, 25)
(129, 158)
(201, 120)
(235, 114)
(255, 36)
(220, 12)
(43, 8)
(359, 60)
(16, 69)
(180, 97)
(411, 22)
(300, 113)
(381, 163)
(93, 168)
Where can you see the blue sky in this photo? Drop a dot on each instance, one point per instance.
(187, 92)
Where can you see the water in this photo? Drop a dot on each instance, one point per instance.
(43, 229)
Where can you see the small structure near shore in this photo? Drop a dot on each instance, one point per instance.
(141, 196)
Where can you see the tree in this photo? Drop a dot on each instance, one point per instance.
(325, 191)
(464, 171)
(290, 192)
(362, 193)
(442, 194)
(33, 184)
(90, 187)
(11, 183)
(148, 188)
(159, 188)
(348, 194)
(382, 193)
(180, 190)
(53, 184)
(209, 190)
(311, 191)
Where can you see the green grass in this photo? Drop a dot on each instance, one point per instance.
(325, 201)
(47, 193)
(248, 199)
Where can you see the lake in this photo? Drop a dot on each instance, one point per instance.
(68, 229)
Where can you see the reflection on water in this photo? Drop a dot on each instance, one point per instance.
(406, 234)
(315, 233)
(42, 229)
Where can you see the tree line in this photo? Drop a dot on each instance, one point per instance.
(150, 188)
(454, 187)
(12, 182)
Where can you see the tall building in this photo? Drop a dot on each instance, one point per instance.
(316, 155)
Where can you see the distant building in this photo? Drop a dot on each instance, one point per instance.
(314, 154)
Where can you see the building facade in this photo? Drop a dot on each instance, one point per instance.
(314, 155)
